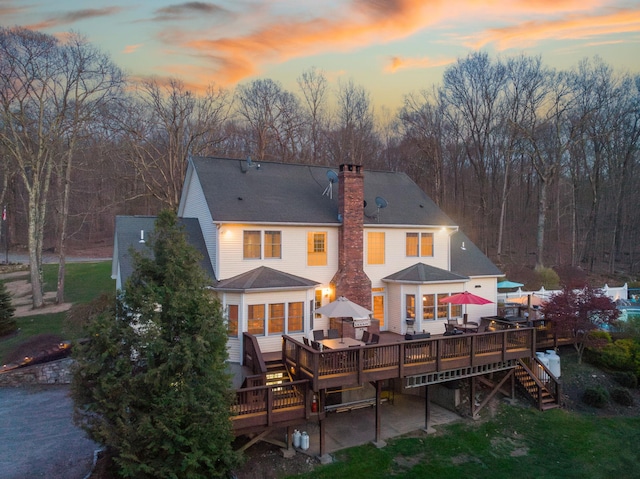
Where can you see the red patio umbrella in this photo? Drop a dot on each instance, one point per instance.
(465, 298)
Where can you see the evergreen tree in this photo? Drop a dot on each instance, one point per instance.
(7, 321)
(152, 383)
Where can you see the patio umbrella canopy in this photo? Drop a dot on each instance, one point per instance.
(344, 308)
(465, 298)
(509, 284)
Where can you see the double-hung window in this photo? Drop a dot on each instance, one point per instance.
(375, 248)
(253, 244)
(317, 249)
(419, 244)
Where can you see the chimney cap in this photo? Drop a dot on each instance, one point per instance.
(350, 167)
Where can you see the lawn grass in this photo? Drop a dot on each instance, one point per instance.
(522, 443)
(83, 283)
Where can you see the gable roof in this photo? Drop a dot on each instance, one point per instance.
(266, 192)
(470, 261)
(265, 279)
(422, 273)
(127, 235)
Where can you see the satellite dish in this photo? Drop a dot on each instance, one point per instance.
(333, 178)
(381, 202)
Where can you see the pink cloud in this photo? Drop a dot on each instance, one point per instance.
(573, 27)
(260, 38)
(131, 48)
(401, 63)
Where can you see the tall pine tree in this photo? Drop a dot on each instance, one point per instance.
(152, 383)
(7, 322)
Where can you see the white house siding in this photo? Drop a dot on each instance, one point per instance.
(267, 343)
(194, 205)
(398, 292)
(234, 344)
(294, 252)
(396, 258)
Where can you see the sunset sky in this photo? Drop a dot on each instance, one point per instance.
(391, 47)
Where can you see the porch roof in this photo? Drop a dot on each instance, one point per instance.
(264, 279)
(423, 273)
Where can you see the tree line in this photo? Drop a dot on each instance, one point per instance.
(537, 165)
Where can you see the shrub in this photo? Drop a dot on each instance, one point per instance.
(7, 322)
(626, 379)
(548, 278)
(622, 396)
(622, 355)
(601, 335)
(596, 397)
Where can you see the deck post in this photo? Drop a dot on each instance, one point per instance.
(379, 442)
(427, 407)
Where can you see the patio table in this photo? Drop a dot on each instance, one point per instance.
(340, 343)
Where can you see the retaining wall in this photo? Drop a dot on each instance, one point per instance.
(53, 372)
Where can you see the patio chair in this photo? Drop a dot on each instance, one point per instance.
(472, 326)
(375, 339)
(365, 336)
(318, 334)
(306, 342)
(316, 345)
(333, 334)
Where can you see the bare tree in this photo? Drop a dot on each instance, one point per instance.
(162, 125)
(354, 139)
(258, 107)
(471, 91)
(314, 87)
(421, 119)
(91, 83)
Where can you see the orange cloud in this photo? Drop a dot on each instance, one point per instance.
(573, 27)
(366, 23)
(131, 48)
(358, 24)
(401, 63)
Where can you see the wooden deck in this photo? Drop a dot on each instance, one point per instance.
(421, 362)
(401, 359)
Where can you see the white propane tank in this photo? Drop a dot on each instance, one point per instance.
(296, 438)
(554, 362)
(542, 357)
(304, 441)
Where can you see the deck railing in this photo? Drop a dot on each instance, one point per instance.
(354, 366)
(543, 381)
(262, 406)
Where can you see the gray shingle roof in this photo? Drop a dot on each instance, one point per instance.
(422, 273)
(292, 193)
(127, 232)
(264, 278)
(470, 261)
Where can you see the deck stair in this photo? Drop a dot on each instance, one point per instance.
(538, 384)
(277, 373)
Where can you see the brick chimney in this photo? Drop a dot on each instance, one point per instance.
(350, 280)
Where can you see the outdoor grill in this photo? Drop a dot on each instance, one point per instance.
(359, 325)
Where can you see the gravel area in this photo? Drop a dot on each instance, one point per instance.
(38, 436)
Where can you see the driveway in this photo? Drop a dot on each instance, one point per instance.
(38, 437)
